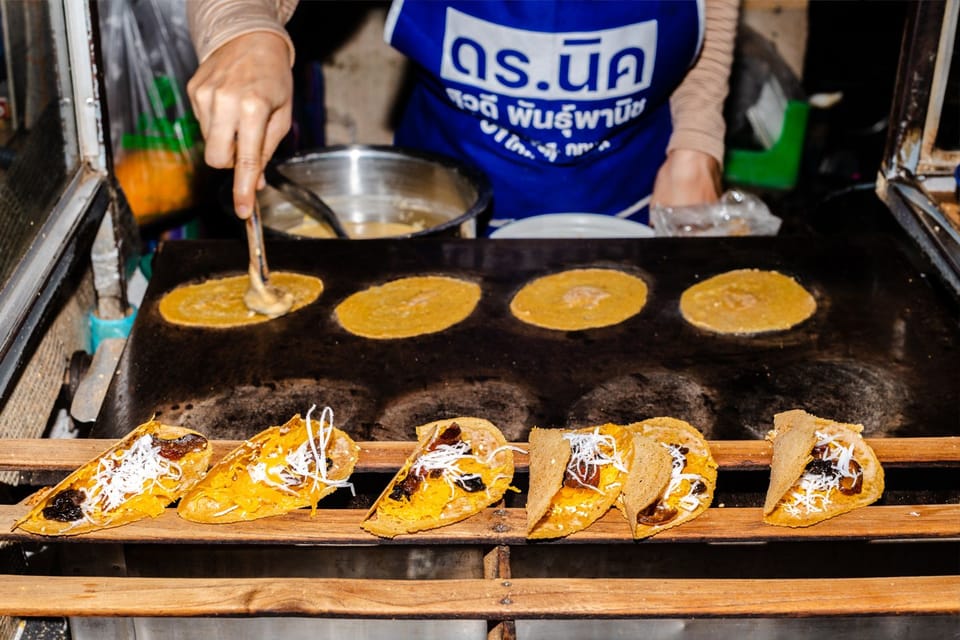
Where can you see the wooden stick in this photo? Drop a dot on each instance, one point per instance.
(67, 455)
(31, 596)
(499, 526)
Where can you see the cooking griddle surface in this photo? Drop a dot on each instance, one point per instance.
(881, 348)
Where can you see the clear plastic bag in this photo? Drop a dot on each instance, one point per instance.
(737, 213)
(156, 141)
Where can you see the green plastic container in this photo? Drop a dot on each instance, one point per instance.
(778, 166)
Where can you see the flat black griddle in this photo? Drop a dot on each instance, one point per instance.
(882, 348)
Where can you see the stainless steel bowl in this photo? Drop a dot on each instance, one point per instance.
(380, 191)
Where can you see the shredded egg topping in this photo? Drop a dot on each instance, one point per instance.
(589, 451)
(812, 493)
(124, 474)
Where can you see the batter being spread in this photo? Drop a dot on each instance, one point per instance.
(219, 303)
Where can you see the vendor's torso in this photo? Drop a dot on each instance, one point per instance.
(543, 93)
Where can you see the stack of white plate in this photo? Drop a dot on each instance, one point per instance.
(573, 225)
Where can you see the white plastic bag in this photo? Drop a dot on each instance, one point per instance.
(737, 213)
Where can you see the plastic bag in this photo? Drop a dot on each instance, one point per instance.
(737, 213)
(157, 147)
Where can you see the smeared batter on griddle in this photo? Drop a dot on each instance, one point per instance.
(408, 307)
(747, 301)
(218, 303)
(580, 299)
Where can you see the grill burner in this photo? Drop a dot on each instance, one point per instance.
(512, 407)
(857, 391)
(646, 395)
(246, 409)
(881, 349)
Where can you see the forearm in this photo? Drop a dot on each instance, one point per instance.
(696, 107)
(213, 23)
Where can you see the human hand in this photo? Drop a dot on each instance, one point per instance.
(242, 96)
(686, 178)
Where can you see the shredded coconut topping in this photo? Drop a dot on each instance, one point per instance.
(837, 453)
(124, 474)
(589, 451)
(813, 491)
(446, 458)
(306, 462)
(507, 447)
(689, 501)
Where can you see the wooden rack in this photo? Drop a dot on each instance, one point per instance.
(499, 596)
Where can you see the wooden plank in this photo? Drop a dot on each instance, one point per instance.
(30, 596)
(507, 527)
(496, 565)
(67, 455)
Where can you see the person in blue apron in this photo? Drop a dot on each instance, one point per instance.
(569, 105)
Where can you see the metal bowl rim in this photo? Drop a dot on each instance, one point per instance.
(473, 176)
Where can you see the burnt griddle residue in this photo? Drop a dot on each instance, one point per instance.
(639, 396)
(844, 390)
(881, 349)
(511, 407)
(238, 412)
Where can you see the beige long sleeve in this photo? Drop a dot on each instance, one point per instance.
(696, 106)
(213, 23)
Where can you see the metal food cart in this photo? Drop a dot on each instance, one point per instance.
(883, 350)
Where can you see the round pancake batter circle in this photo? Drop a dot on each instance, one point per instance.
(218, 303)
(747, 301)
(580, 299)
(408, 307)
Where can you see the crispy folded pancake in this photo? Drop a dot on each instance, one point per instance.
(460, 467)
(580, 299)
(408, 307)
(575, 476)
(672, 478)
(747, 301)
(145, 471)
(820, 469)
(274, 472)
(218, 303)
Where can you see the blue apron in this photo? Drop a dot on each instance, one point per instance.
(563, 104)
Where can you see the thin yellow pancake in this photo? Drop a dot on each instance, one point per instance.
(280, 469)
(218, 303)
(747, 301)
(820, 469)
(408, 307)
(136, 478)
(580, 299)
(460, 467)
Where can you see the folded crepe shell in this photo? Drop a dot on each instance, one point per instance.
(138, 477)
(647, 479)
(557, 508)
(446, 479)
(672, 478)
(274, 472)
(796, 499)
(549, 455)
